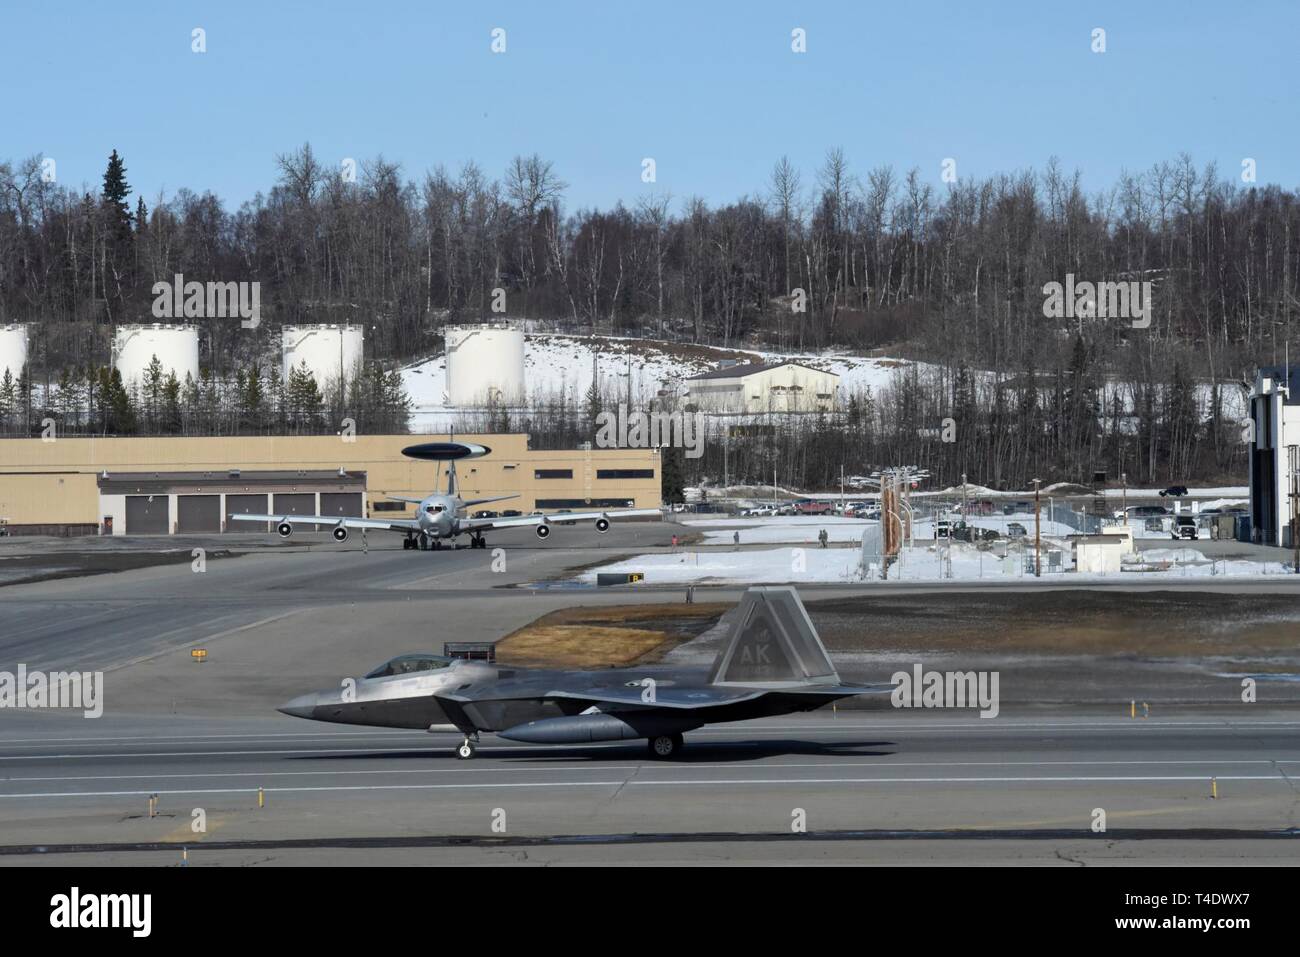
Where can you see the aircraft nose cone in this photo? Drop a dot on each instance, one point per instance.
(300, 707)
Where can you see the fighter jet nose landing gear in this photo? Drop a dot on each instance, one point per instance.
(466, 750)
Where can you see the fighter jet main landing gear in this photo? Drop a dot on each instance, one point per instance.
(665, 746)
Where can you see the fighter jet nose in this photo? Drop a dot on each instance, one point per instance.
(301, 707)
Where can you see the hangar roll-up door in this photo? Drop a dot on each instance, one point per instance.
(146, 514)
(341, 503)
(246, 505)
(294, 504)
(198, 513)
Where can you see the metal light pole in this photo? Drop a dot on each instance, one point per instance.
(1038, 530)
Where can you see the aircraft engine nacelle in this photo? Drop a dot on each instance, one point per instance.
(340, 533)
(543, 531)
(284, 529)
(602, 525)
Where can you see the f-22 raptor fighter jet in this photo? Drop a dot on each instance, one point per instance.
(771, 663)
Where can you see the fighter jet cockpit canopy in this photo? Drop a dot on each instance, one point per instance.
(410, 665)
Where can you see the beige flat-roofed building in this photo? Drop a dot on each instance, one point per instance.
(763, 387)
(60, 487)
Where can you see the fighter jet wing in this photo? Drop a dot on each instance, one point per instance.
(660, 697)
(665, 697)
(396, 525)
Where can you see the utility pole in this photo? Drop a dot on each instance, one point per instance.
(1038, 531)
(1123, 508)
(1294, 462)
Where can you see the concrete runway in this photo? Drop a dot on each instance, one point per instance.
(876, 786)
(888, 787)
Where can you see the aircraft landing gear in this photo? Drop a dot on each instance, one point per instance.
(477, 542)
(665, 746)
(408, 542)
(424, 543)
(466, 749)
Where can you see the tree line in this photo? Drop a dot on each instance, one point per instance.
(839, 257)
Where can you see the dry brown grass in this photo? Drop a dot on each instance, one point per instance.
(606, 636)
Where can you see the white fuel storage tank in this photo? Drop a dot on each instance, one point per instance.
(485, 364)
(13, 348)
(176, 346)
(333, 353)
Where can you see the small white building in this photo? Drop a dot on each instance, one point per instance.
(763, 387)
(1099, 554)
(1274, 434)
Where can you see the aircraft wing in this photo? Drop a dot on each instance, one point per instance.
(396, 525)
(481, 524)
(612, 694)
(612, 513)
(705, 696)
(483, 501)
(670, 697)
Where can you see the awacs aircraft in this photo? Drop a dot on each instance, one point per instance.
(442, 515)
(772, 663)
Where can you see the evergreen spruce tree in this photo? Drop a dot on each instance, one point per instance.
(113, 196)
(171, 415)
(8, 399)
(252, 400)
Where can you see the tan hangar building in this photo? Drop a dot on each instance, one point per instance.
(161, 485)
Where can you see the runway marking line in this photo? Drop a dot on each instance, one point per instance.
(884, 765)
(739, 731)
(716, 782)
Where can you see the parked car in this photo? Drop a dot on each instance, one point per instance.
(1016, 530)
(486, 514)
(961, 532)
(1147, 511)
(1175, 491)
(1184, 528)
(511, 513)
(813, 508)
(566, 511)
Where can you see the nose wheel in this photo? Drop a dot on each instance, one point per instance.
(466, 749)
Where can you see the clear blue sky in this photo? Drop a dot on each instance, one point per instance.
(710, 89)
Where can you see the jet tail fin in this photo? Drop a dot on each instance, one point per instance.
(772, 640)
